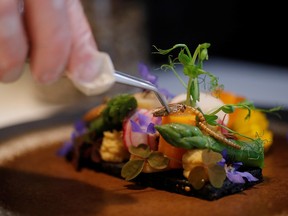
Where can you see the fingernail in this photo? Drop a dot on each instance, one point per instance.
(11, 75)
(88, 70)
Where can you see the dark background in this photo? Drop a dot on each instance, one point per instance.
(244, 30)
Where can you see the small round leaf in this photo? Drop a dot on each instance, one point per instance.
(211, 157)
(198, 177)
(141, 150)
(132, 169)
(217, 175)
(157, 160)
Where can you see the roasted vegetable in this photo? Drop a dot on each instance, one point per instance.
(111, 118)
(189, 137)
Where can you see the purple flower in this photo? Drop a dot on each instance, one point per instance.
(238, 177)
(144, 125)
(231, 171)
(79, 129)
(146, 75)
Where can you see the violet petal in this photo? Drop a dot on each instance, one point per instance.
(135, 127)
(145, 74)
(151, 129)
(235, 177)
(222, 162)
(224, 154)
(63, 151)
(80, 126)
(248, 176)
(143, 119)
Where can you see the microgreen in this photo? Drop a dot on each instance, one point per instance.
(192, 68)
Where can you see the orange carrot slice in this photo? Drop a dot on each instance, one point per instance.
(175, 154)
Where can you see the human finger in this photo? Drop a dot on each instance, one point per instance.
(13, 43)
(50, 38)
(83, 65)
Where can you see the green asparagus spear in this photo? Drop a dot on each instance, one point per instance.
(113, 115)
(189, 137)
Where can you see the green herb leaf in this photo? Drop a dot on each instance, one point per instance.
(211, 119)
(183, 58)
(157, 160)
(217, 175)
(141, 150)
(204, 54)
(205, 45)
(198, 177)
(210, 157)
(132, 169)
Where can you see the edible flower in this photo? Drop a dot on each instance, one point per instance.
(231, 170)
(139, 129)
(238, 177)
(144, 125)
(79, 129)
(147, 75)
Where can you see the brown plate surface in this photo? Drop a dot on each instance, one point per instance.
(35, 181)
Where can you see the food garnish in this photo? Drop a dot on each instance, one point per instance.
(216, 144)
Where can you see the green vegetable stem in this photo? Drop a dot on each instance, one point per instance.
(189, 137)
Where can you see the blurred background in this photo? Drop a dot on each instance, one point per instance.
(248, 41)
(235, 29)
(247, 53)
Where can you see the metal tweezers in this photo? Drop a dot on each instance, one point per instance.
(140, 83)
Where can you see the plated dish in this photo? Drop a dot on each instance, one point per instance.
(210, 144)
(36, 178)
